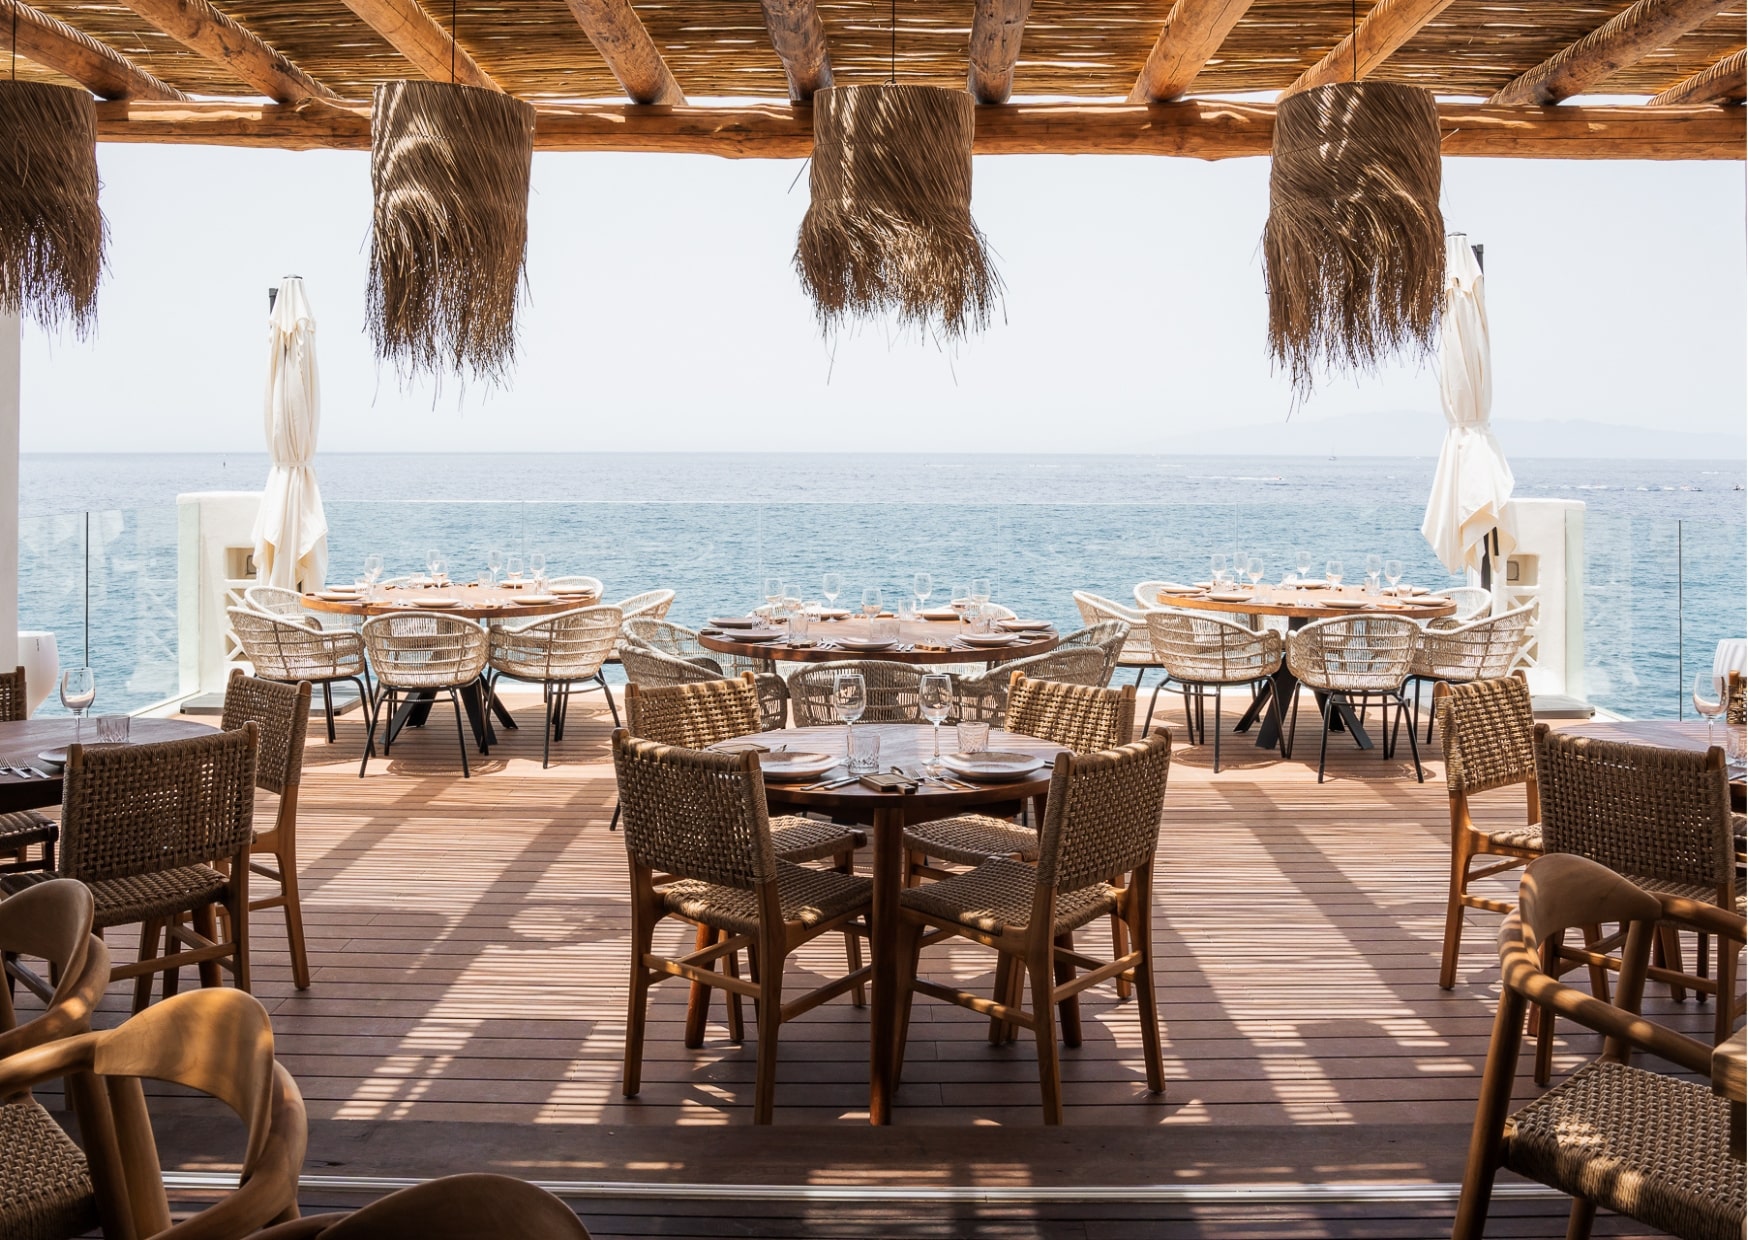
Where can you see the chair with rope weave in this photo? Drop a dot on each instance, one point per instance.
(1484, 649)
(289, 650)
(23, 830)
(1137, 650)
(1200, 653)
(1355, 659)
(645, 665)
(423, 655)
(894, 691)
(682, 643)
(983, 697)
(1110, 636)
(1472, 603)
(557, 653)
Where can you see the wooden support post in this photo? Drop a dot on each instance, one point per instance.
(798, 38)
(996, 29)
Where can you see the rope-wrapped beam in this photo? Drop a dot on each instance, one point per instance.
(96, 66)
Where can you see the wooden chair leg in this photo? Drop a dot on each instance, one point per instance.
(637, 1001)
(1146, 993)
(1724, 1019)
(1068, 1012)
(770, 1022)
(1579, 1221)
(1462, 850)
(999, 1029)
(852, 941)
(698, 996)
(237, 904)
(1120, 947)
(1670, 940)
(737, 1027)
(293, 906)
(909, 947)
(1544, 1064)
(1040, 973)
(150, 933)
(206, 925)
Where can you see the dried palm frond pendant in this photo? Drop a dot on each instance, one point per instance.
(52, 233)
(1354, 249)
(889, 229)
(449, 169)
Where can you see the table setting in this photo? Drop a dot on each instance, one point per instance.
(521, 590)
(1301, 596)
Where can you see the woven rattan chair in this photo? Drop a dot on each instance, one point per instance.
(697, 819)
(1137, 650)
(156, 831)
(423, 654)
(25, 829)
(557, 653)
(1489, 733)
(983, 697)
(682, 643)
(576, 581)
(1102, 821)
(456, 1206)
(1355, 659)
(1201, 653)
(277, 601)
(289, 651)
(1110, 636)
(894, 691)
(1485, 649)
(1661, 817)
(1613, 1135)
(1472, 603)
(216, 1042)
(281, 715)
(651, 603)
(645, 665)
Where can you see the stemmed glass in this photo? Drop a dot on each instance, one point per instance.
(922, 587)
(1217, 566)
(1374, 566)
(935, 699)
(372, 570)
(871, 602)
(1302, 561)
(1332, 573)
(78, 691)
(1393, 573)
(513, 567)
(1253, 570)
(980, 591)
(433, 558)
(494, 564)
(831, 585)
(439, 570)
(849, 700)
(1710, 707)
(774, 595)
(537, 567)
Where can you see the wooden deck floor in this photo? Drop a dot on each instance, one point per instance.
(469, 947)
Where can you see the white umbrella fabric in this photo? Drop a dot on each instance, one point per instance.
(1473, 483)
(291, 532)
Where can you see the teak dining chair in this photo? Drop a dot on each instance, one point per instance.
(25, 829)
(455, 1207)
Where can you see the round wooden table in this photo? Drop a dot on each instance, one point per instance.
(943, 637)
(474, 602)
(21, 741)
(887, 814)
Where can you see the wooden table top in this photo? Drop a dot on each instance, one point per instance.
(1688, 734)
(474, 602)
(21, 742)
(912, 635)
(1307, 603)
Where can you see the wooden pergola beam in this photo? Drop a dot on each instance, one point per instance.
(798, 38)
(997, 27)
(1202, 129)
(619, 35)
(97, 67)
(1193, 32)
(1724, 82)
(1389, 25)
(203, 29)
(1625, 39)
(415, 34)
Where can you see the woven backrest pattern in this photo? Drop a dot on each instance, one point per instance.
(1204, 650)
(14, 705)
(1472, 602)
(984, 697)
(1084, 718)
(572, 645)
(1479, 650)
(1110, 636)
(1354, 653)
(1102, 817)
(281, 715)
(666, 636)
(694, 814)
(425, 651)
(276, 601)
(280, 649)
(894, 692)
(651, 603)
(141, 809)
(1489, 733)
(1640, 810)
(693, 716)
(1096, 609)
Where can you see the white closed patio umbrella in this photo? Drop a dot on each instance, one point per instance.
(1473, 483)
(291, 532)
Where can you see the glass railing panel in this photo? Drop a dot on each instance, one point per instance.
(51, 588)
(1632, 617)
(1714, 596)
(1342, 531)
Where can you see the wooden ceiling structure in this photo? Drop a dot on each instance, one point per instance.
(735, 77)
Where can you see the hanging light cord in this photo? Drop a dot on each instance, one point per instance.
(452, 42)
(14, 42)
(1353, 34)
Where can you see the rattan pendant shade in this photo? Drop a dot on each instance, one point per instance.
(889, 229)
(449, 169)
(1354, 249)
(52, 233)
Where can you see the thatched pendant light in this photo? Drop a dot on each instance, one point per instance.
(889, 229)
(449, 167)
(51, 231)
(1354, 250)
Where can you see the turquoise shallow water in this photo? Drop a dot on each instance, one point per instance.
(1665, 573)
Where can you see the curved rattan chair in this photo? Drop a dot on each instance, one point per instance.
(1615, 1134)
(277, 601)
(645, 665)
(1201, 653)
(683, 643)
(983, 696)
(1472, 603)
(1110, 636)
(1137, 651)
(24, 829)
(1356, 659)
(423, 654)
(1484, 649)
(697, 819)
(651, 603)
(1101, 821)
(215, 1042)
(290, 651)
(894, 692)
(470, 1205)
(1489, 732)
(577, 581)
(556, 653)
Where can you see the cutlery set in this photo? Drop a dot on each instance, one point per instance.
(23, 772)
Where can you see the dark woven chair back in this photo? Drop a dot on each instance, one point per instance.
(1489, 731)
(1642, 810)
(141, 809)
(894, 692)
(281, 715)
(692, 716)
(1085, 718)
(1102, 816)
(14, 706)
(694, 814)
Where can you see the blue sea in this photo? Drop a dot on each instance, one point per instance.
(1665, 573)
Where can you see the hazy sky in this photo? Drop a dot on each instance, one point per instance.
(663, 311)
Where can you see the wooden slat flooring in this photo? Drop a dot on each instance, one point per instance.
(469, 947)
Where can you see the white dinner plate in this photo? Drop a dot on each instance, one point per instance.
(1018, 625)
(988, 639)
(753, 635)
(339, 596)
(992, 767)
(866, 643)
(435, 604)
(1230, 598)
(938, 613)
(53, 757)
(1172, 587)
(735, 622)
(534, 600)
(1346, 604)
(574, 592)
(834, 613)
(794, 767)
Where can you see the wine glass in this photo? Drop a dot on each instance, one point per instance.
(1711, 707)
(78, 691)
(773, 595)
(980, 590)
(432, 558)
(1332, 573)
(1253, 570)
(537, 565)
(512, 567)
(372, 570)
(849, 700)
(439, 570)
(871, 602)
(494, 563)
(935, 699)
(1393, 573)
(1217, 565)
(922, 587)
(1302, 561)
(831, 585)
(1374, 566)
(959, 596)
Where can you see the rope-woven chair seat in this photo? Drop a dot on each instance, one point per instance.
(138, 897)
(45, 1186)
(1526, 835)
(808, 897)
(972, 839)
(997, 896)
(1478, 650)
(26, 827)
(1641, 1143)
(1702, 893)
(797, 838)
